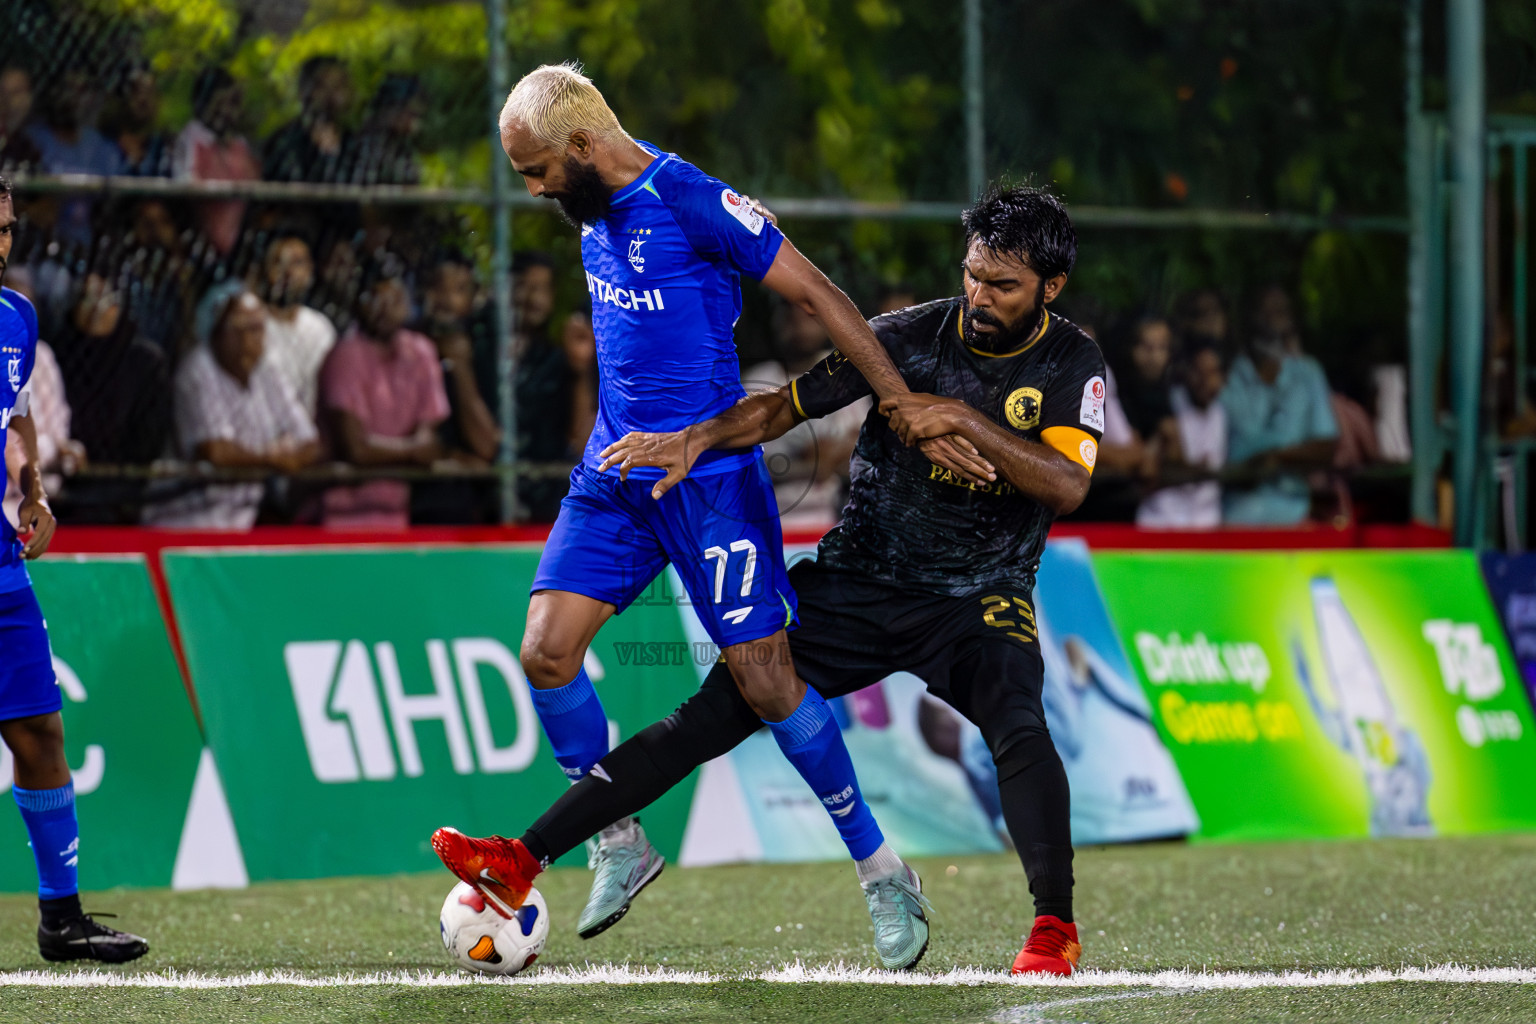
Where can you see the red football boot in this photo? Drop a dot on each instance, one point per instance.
(501, 870)
(1052, 948)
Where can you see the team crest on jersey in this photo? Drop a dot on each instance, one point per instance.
(635, 259)
(1023, 408)
(13, 372)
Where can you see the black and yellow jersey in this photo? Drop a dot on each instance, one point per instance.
(910, 522)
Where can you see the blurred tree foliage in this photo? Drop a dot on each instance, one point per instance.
(1236, 104)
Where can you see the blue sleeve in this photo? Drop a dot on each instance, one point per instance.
(718, 221)
(22, 305)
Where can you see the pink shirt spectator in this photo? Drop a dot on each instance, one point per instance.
(392, 390)
(202, 156)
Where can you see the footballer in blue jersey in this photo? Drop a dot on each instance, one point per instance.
(30, 723)
(664, 247)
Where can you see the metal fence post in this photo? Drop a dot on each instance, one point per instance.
(1466, 119)
(504, 316)
(975, 131)
(1422, 371)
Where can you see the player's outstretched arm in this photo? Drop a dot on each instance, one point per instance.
(799, 281)
(754, 420)
(34, 519)
(1039, 470)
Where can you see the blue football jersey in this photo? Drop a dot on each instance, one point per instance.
(663, 271)
(18, 350)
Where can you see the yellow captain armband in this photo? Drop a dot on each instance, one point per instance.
(1077, 445)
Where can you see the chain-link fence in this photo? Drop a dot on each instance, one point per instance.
(259, 241)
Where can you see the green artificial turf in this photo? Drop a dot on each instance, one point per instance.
(1263, 908)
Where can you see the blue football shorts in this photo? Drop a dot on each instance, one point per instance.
(719, 530)
(27, 683)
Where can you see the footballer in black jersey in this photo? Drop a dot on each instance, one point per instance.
(913, 522)
(932, 568)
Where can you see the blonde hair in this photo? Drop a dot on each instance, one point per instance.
(556, 100)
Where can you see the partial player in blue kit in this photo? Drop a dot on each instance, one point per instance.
(30, 723)
(664, 246)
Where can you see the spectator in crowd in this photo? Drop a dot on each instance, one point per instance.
(134, 121)
(1280, 424)
(546, 383)
(298, 337)
(382, 391)
(118, 389)
(809, 465)
(384, 151)
(452, 316)
(1200, 316)
(233, 411)
(1142, 375)
(160, 279)
(311, 146)
(210, 148)
(335, 292)
(579, 344)
(1194, 443)
(68, 143)
(17, 151)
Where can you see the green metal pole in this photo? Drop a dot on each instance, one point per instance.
(975, 132)
(1421, 362)
(499, 75)
(1466, 117)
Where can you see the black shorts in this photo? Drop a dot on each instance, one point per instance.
(979, 653)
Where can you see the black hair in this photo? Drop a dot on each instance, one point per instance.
(1026, 223)
(313, 66)
(209, 81)
(448, 256)
(526, 258)
(5, 185)
(379, 267)
(1199, 343)
(396, 90)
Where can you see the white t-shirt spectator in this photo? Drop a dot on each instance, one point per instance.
(297, 350)
(212, 406)
(1203, 438)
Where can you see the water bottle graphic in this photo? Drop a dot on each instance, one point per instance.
(1356, 711)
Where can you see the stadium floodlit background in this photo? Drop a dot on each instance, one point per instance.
(1342, 185)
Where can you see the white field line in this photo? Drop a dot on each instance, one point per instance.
(793, 974)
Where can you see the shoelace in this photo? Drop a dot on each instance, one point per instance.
(889, 905)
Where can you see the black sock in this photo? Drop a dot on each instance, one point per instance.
(536, 848)
(1037, 808)
(642, 768)
(56, 911)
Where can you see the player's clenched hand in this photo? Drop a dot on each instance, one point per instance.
(36, 524)
(959, 456)
(672, 452)
(918, 417)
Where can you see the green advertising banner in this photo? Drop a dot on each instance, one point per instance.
(357, 700)
(129, 732)
(1329, 693)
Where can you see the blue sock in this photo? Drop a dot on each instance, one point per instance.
(50, 818)
(574, 720)
(813, 743)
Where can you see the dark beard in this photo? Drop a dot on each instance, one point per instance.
(586, 198)
(1005, 339)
